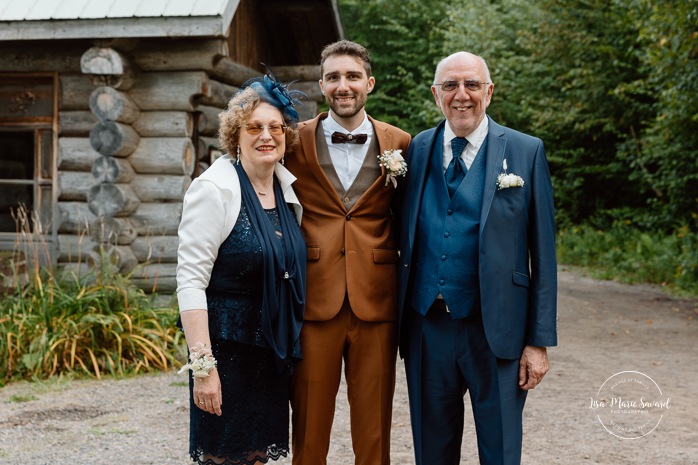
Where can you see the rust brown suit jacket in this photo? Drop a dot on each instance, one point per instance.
(350, 252)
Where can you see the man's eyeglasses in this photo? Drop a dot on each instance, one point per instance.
(255, 129)
(472, 86)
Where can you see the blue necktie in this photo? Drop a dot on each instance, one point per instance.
(456, 169)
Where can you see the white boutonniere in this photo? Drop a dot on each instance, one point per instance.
(394, 165)
(506, 180)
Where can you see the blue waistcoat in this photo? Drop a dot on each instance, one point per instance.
(445, 259)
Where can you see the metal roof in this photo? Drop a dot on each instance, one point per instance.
(74, 19)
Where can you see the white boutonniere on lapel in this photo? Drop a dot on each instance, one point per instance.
(506, 180)
(394, 165)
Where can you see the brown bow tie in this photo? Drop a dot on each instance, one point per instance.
(340, 138)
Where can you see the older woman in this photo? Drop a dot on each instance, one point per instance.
(241, 283)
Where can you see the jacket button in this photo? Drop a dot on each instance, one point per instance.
(348, 217)
(343, 251)
(347, 200)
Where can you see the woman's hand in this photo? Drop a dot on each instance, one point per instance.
(207, 393)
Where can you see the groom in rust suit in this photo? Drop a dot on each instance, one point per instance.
(351, 308)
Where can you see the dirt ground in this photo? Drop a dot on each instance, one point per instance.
(604, 328)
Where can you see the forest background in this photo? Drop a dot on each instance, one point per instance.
(610, 86)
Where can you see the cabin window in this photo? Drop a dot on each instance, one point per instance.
(27, 160)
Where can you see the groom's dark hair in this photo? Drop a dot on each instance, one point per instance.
(347, 47)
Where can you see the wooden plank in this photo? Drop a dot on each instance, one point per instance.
(21, 57)
(103, 60)
(164, 155)
(112, 200)
(179, 55)
(157, 277)
(208, 122)
(107, 229)
(157, 219)
(113, 170)
(218, 96)
(164, 124)
(74, 248)
(160, 187)
(76, 123)
(75, 92)
(297, 73)
(76, 153)
(170, 91)
(116, 139)
(201, 26)
(112, 105)
(231, 72)
(74, 217)
(74, 185)
(162, 249)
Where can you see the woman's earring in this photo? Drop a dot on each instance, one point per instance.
(283, 159)
(237, 162)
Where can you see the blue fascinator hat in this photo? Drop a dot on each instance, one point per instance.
(273, 92)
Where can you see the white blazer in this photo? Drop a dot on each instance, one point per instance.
(210, 210)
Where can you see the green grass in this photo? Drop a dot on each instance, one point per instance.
(18, 399)
(630, 255)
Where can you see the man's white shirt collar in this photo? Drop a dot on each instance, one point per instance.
(475, 140)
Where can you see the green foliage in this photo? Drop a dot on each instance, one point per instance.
(610, 86)
(632, 255)
(63, 325)
(405, 40)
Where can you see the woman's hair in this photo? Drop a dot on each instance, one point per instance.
(238, 113)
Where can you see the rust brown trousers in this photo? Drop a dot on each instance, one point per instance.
(351, 309)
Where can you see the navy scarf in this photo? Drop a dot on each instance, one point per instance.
(283, 295)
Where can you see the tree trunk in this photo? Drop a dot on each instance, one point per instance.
(151, 188)
(113, 170)
(109, 230)
(170, 91)
(108, 67)
(76, 123)
(75, 92)
(208, 123)
(157, 219)
(74, 185)
(112, 200)
(156, 277)
(164, 155)
(161, 249)
(164, 124)
(76, 153)
(112, 105)
(75, 217)
(116, 139)
(218, 96)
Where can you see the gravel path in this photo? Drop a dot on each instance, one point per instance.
(605, 328)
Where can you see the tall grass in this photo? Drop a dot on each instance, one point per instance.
(54, 324)
(628, 254)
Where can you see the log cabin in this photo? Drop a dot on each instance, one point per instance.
(108, 110)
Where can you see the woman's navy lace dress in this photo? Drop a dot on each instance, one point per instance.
(254, 424)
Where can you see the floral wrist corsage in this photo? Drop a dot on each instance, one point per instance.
(201, 361)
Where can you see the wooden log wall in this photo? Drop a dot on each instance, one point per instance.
(135, 126)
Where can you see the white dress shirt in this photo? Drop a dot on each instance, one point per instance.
(347, 158)
(475, 140)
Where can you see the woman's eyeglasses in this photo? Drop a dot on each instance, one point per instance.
(255, 129)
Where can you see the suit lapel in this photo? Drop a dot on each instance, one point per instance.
(308, 143)
(496, 146)
(419, 163)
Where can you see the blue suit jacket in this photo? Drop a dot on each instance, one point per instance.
(517, 265)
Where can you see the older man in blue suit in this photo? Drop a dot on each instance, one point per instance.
(478, 283)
